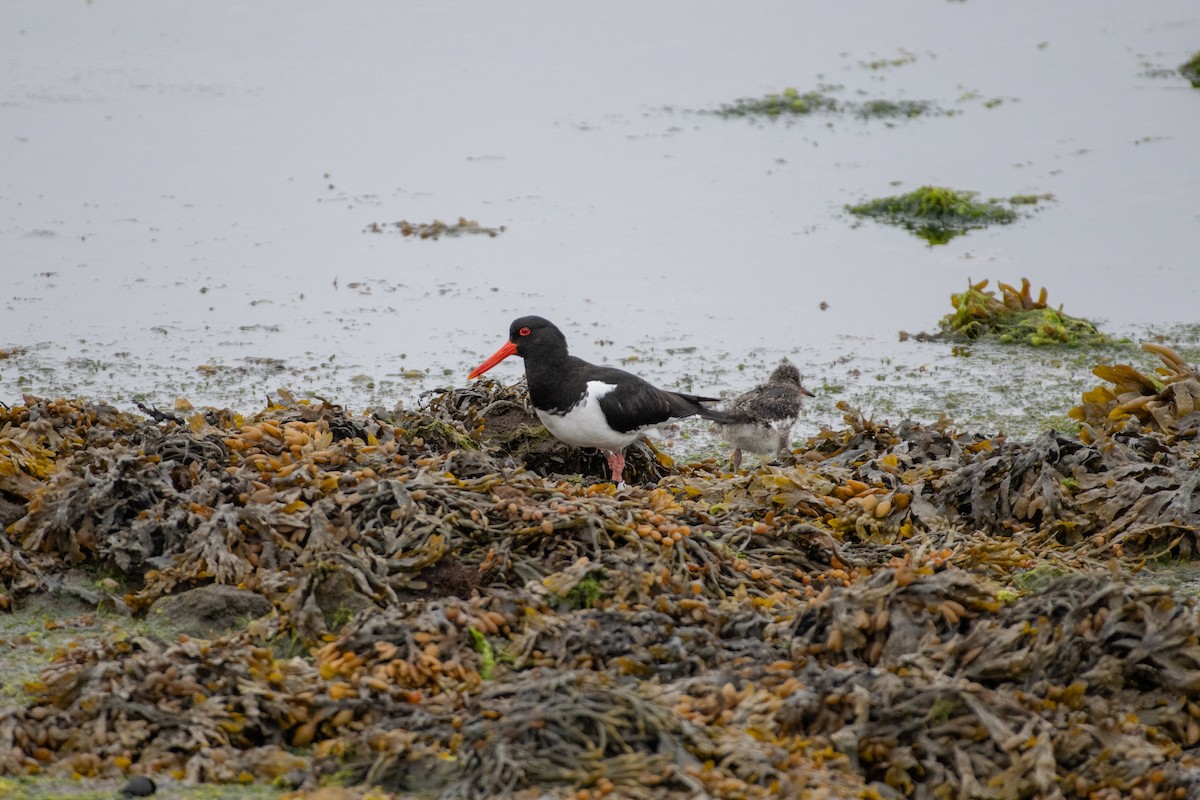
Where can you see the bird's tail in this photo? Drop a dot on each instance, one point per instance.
(686, 405)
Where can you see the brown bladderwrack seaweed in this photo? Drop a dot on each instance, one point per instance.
(471, 623)
(1168, 402)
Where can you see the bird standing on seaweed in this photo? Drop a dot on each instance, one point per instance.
(587, 405)
(761, 420)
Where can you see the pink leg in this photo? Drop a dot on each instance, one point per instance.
(616, 463)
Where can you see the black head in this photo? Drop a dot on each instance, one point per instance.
(529, 337)
(536, 335)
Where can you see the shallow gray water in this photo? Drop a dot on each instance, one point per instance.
(190, 186)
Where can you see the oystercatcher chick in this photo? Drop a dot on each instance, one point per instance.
(762, 418)
(587, 405)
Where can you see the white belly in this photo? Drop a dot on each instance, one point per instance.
(758, 437)
(584, 424)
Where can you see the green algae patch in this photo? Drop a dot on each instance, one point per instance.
(1014, 316)
(884, 109)
(791, 102)
(487, 656)
(1191, 70)
(937, 214)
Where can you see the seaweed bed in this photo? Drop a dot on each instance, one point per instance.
(905, 611)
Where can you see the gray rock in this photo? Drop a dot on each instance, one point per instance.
(210, 610)
(339, 599)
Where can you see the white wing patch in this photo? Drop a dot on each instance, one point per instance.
(584, 424)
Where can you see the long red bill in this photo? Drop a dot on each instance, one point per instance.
(504, 352)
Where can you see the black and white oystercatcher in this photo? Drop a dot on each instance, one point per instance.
(586, 405)
(762, 418)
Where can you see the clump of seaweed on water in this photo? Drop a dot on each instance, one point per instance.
(937, 214)
(435, 229)
(1190, 69)
(1014, 316)
(891, 109)
(791, 103)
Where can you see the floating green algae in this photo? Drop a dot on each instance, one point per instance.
(788, 102)
(1014, 317)
(937, 214)
(892, 108)
(1191, 70)
(792, 103)
(905, 57)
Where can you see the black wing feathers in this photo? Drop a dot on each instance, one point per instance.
(556, 385)
(635, 403)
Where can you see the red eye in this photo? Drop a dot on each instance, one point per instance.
(524, 331)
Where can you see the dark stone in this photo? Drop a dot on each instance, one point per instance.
(210, 610)
(339, 598)
(10, 511)
(139, 786)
